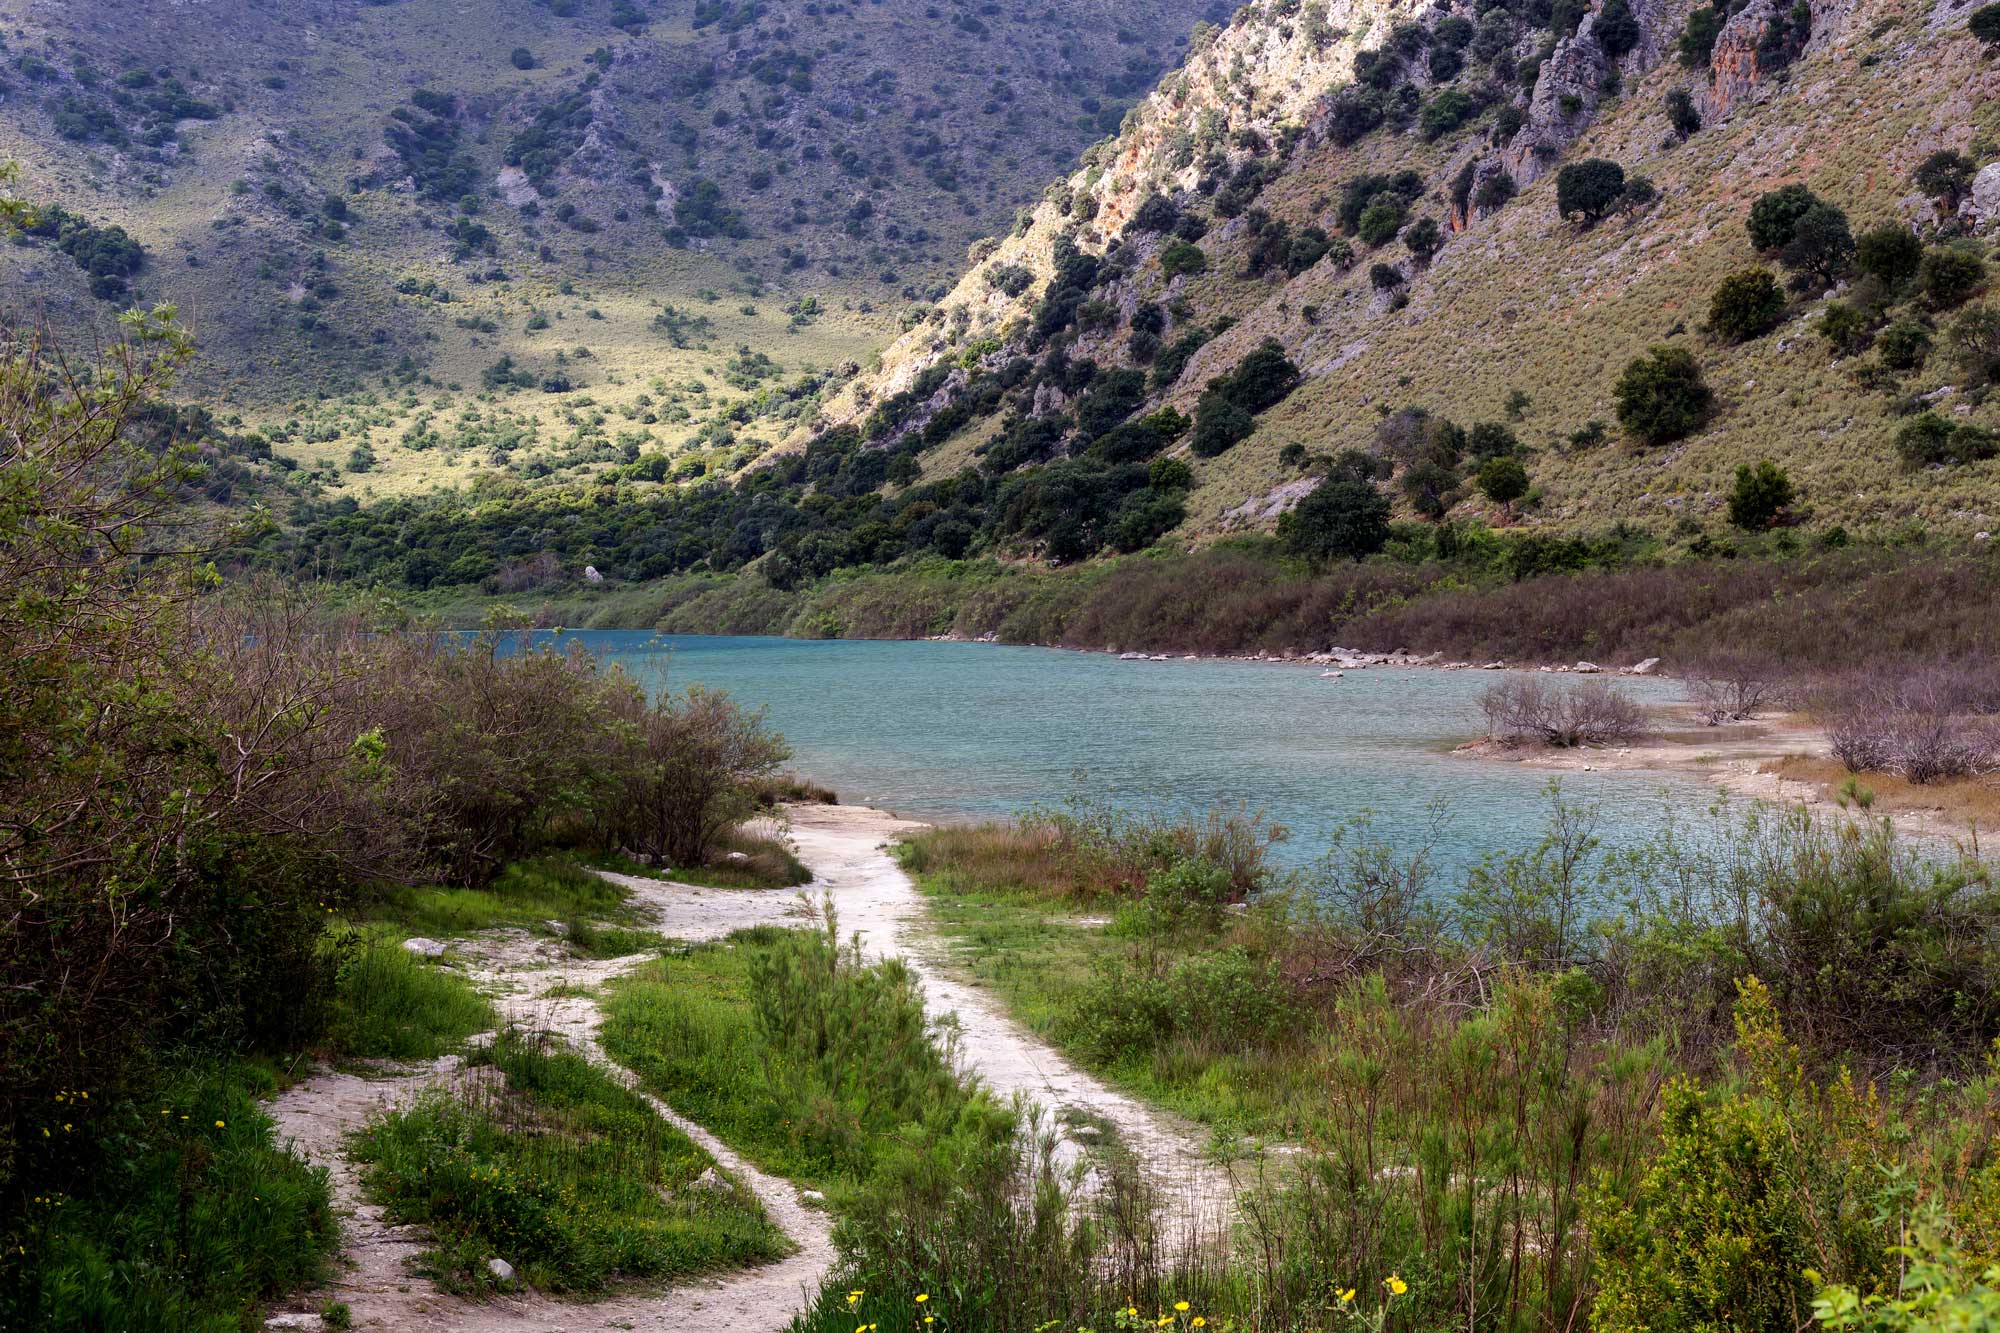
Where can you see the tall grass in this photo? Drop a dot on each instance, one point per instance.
(571, 1179)
(527, 894)
(391, 1004)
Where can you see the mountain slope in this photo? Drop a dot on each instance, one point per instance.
(1517, 304)
(345, 198)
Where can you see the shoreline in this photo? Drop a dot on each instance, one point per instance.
(1749, 759)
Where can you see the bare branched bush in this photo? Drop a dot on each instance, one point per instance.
(1733, 687)
(1928, 725)
(1591, 713)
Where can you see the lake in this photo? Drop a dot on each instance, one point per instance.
(956, 731)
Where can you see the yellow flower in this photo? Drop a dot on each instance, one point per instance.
(1132, 1311)
(1199, 1322)
(219, 1124)
(1396, 1285)
(1181, 1306)
(922, 1296)
(1347, 1296)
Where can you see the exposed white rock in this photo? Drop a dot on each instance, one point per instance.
(426, 947)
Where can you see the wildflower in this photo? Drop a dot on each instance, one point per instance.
(1396, 1285)
(218, 1124)
(1200, 1322)
(1180, 1307)
(922, 1296)
(1347, 1296)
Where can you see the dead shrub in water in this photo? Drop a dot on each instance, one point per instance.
(1592, 713)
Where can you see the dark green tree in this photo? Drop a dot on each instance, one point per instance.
(1503, 480)
(1589, 189)
(1662, 397)
(1681, 112)
(1762, 495)
(1945, 176)
(1821, 246)
(1616, 29)
(1345, 517)
(1776, 213)
(1697, 41)
(1423, 237)
(1890, 253)
(1746, 305)
(1985, 24)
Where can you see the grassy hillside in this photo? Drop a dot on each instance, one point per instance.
(361, 208)
(1520, 318)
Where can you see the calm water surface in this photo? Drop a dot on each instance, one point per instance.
(964, 731)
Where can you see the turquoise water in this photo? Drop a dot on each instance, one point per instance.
(964, 731)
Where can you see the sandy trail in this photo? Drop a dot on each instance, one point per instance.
(845, 846)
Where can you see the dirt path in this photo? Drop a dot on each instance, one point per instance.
(845, 846)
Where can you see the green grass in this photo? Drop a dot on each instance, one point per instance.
(392, 1004)
(570, 1178)
(183, 1217)
(589, 939)
(529, 895)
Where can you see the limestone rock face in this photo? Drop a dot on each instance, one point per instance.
(1981, 207)
(1566, 95)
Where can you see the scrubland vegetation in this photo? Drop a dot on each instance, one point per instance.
(1738, 1077)
(200, 789)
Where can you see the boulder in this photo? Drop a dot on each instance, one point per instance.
(424, 947)
(590, 574)
(1647, 667)
(1982, 204)
(500, 1269)
(1586, 668)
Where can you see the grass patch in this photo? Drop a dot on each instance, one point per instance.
(568, 1177)
(1972, 802)
(391, 1004)
(766, 863)
(589, 939)
(181, 1215)
(528, 896)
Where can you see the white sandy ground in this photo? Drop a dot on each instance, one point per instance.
(872, 897)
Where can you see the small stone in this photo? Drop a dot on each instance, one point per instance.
(711, 1179)
(293, 1321)
(424, 947)
(500, 1269)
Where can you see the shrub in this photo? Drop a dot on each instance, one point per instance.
(1381, 220)
(1681, 112)
(522, 58)
(1182, 257)
(1697, 39)
(1662, 397)
(1974, 338)
(1931, 440)
(1385, 277)
(1591, 713)
(1343, 518)
(1890, 253)
(1746, 305)
(700, 759)
(1617, 30)
(1761, 496)
(1845, 328)
(1985, 24)
(1776, 214)
(1424, 238)
(1590, 189)
(1904, 345)
(1947, 277)
(1445, 113)
(1926, 724)
(1745, 1195)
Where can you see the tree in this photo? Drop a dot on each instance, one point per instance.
(701, 755)
(1985, 24)
(1948, 278)
(1889, 253)
(1491, 439)
(1503, 480)
(1944, 176)
(1345, 517)
(1218, 424)
(1424, 238)
(1974, 338)
(1681, 112)
(1776, 213)
(1904, 345)
(1762, 495)
(1589, 189)
(523, 58)
(1616, 29)
(1697, 41)
(1181, 257)
(1821, 246)
(1662, 397)
(1746, 305)
(1381, 220)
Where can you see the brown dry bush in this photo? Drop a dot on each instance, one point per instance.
(1592, 713)
(1933, 723)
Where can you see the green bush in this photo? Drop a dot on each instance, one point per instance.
(1662, 396)
(1904, 345)
(1985, 24)
(1681, 112)
(1761, 495)
(1182, 257)
(1748, 1192)
(1947, 278)
(1697, 39)
(1891, 253)
(1931, 440)
(1746, 305)
(1343, 518)
(1503, 480)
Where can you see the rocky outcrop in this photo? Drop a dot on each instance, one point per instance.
(1566, 96)
(1980, 209)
